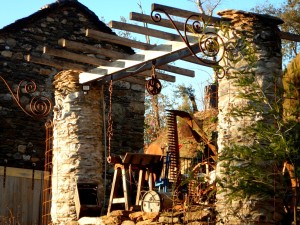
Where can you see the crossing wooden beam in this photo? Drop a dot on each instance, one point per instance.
(161, 76)
(59, 64)
(86, 48)
(143, 30)
(178, 70)
(147, 19)
(74, 56)
(290, 36)
(101, 36)
(109, 72)
(185, 13)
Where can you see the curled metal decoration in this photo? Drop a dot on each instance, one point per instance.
(211, 48)
(39, 106)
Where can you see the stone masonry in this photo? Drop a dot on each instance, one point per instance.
(261, 36)
(77, 143)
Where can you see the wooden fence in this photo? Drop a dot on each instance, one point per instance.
(20, 196)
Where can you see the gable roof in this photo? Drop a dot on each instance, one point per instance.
(47, 9)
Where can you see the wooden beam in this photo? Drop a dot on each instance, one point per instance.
(193, 59)
(74, 56)
(185, 13)
(84, 47)
(73, 45)
(143, 30)
(24, 173)
(105, 73)
(101, 36)
(147, 19)
(135, 80)
(289, 36)
(161, 76)
(178, 70)
(58, 64)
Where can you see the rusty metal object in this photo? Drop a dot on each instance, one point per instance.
(211, 45)
(153, 85)
(47, 185)
(173, 150)
(39, 106)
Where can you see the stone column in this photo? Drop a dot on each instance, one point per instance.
(256, 36)
(77, 143)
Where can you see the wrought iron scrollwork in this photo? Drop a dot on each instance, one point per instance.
(38, 107)
(210, 49)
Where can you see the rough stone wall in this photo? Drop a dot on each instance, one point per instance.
(22, 139)
(262, 37)
(128, 116)
(78, 144)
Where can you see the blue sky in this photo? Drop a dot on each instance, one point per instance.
(13, 10)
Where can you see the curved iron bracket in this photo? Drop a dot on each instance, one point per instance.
(39, 106)
(211, 45)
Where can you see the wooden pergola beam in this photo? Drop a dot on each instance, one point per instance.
(101, 36)
(178, 70)
(141, 57)
(289, 36)
(77, 46)
(147, 19)
(192, 59)
(143, 30)
(105, 73)
(161, 76)
(74, 56)
(185, 13)
(59, 64)
(180, 26)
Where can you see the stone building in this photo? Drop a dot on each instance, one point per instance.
(28, 51)
(33, 48)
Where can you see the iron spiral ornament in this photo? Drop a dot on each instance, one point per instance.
(210, 49)
(38, 107)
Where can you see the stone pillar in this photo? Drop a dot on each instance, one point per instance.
(77, 143)
(249, 35)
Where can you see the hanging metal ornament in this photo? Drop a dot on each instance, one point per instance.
(153, 85)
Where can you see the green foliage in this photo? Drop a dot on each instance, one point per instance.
(289, 13)
(252, 167)
(187, 94)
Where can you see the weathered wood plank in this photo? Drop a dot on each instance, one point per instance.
(18, 201)
(101, 36)
(185, 13)
(59, 64)
(178, 70)
(85, 48)
(24, 173)
(161, 76)
(208, 19)
(289, 36)
(147, 19)
(74, 56)
(143, 30)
